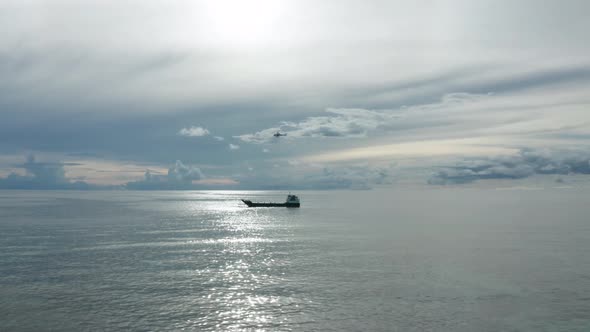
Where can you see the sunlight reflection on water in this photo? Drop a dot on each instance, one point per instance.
(245, 271)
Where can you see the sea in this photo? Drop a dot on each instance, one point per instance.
(414, 259)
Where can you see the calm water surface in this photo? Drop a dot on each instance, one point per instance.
(399, 260)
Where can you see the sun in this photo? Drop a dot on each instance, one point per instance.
(242, 23)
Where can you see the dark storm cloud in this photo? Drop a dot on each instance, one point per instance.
(42, 175)
(526, 163)
(180, 176)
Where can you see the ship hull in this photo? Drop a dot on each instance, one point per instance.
(254, 204)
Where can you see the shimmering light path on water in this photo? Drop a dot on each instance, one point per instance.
(414, 260)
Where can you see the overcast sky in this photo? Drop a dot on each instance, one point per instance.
(187, 94)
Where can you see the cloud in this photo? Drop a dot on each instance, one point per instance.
(233, 146)
(524, 164)
(359, 123)
(218, 138)
(420, 148)
(286, 176)
(340, 123)
(294, 175)
(353, 177)
(193, 132)
(181, 173)
(179, 177)
(148, 77)
(42, 175)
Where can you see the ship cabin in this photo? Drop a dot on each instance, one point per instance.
(292, 201)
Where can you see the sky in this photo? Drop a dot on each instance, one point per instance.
(188, 94)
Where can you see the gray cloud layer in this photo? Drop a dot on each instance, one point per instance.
(524, 164)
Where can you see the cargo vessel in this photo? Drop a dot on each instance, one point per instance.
(291, 202)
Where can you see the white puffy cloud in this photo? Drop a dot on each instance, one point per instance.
(339, 123)
(193, 132)
(183, 174)
(180, 176)
(233, 146)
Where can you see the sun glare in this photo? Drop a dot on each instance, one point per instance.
(242, 23)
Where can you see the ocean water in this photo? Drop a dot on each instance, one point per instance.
(442, 259)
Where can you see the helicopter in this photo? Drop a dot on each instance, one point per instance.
(278, 134)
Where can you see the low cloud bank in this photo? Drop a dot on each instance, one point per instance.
(42, 175)
(526, 163)
(359, 177)
(179, 177)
